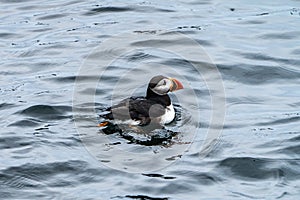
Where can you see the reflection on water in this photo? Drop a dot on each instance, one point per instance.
(46, 150)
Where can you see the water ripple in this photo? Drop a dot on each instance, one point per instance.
(247, 167)
(253, 74)
(289, 120)
(281, 36)
(262, 57)
(47, 112)
(111, 9)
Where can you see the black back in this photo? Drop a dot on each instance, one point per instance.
(144, 109)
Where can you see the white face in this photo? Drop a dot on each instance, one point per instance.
(162, 87)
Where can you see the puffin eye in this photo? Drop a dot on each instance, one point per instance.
(165, 82)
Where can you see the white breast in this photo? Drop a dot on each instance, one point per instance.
(169, 115)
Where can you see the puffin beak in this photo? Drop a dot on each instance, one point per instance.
(176, 85)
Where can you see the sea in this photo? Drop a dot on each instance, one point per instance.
(236, 134)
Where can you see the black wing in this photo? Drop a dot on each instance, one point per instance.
(136, 108)
(145, 110)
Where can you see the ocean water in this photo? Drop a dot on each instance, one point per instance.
(237, 125)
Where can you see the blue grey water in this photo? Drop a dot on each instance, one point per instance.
(255, 46)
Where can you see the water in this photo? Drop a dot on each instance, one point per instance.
(54, 52)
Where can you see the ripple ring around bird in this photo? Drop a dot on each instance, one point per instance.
(97, 66)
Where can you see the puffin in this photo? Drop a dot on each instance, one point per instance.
(154, 108)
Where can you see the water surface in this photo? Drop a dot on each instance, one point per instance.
(254, 45)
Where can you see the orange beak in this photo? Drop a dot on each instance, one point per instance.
(176, 85)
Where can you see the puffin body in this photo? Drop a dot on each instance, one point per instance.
(156, 107)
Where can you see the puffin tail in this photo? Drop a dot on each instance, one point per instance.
(109, 128)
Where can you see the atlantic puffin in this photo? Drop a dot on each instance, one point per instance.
(155, 108)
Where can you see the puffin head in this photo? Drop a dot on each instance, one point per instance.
(161, 85)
